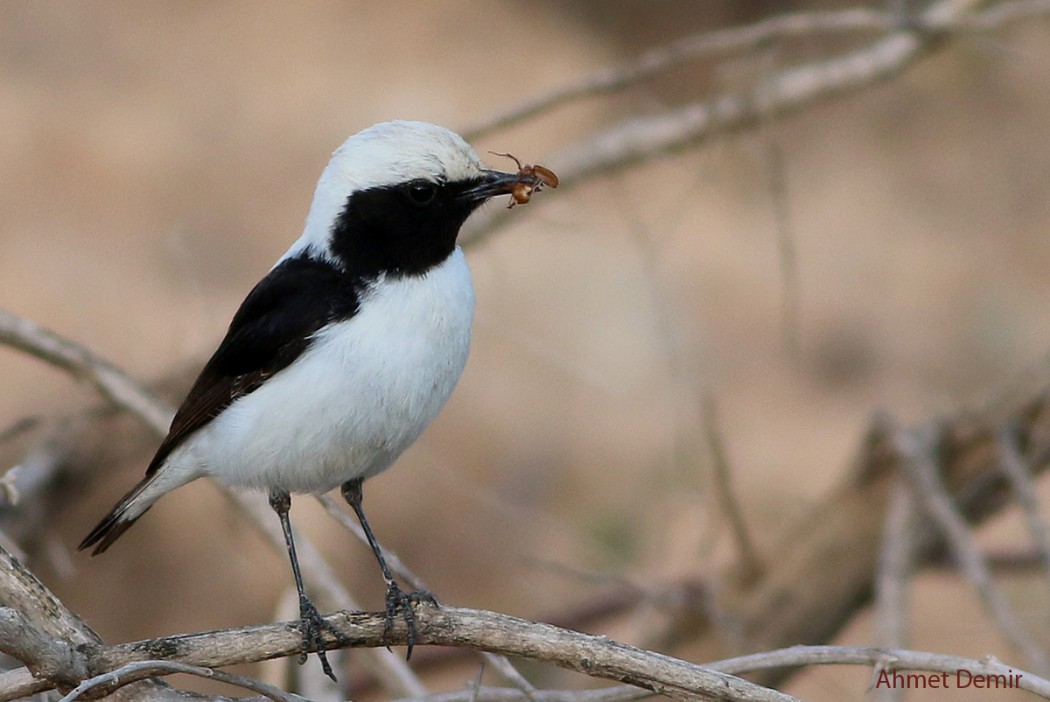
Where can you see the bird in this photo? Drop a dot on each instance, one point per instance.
(345, 351)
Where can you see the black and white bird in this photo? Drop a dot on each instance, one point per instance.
(346, 350)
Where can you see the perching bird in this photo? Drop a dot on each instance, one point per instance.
(341, 356)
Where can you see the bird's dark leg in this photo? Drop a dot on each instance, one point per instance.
(396, 598)
(310, 620)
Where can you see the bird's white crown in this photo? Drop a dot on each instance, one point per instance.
(384, 154)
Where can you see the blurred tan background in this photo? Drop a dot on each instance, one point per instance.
(155, 159)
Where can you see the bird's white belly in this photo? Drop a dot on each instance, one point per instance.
(362, 392)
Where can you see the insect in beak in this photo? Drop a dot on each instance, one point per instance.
(529, 180)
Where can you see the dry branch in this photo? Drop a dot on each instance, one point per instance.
(884, 658)
(595, 656)
(825, 568)
(920, 463)
(896, 565)
(639, 139)
(36, 628)
(143, 669)
(113, 383)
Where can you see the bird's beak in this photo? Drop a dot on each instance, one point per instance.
(492, 183)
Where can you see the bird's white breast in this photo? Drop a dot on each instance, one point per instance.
(362, 392)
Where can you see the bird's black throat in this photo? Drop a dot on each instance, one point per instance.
(400, 230)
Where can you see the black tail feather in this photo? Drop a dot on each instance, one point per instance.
(113, 524)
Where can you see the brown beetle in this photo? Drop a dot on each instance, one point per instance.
(531, 179)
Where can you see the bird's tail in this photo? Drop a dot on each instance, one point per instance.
(132, 506)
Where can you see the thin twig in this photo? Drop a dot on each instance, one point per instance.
(620, 693)
(776, 185)
(638, 139)
(1016, 470)
(113, 383)
(737, 40)
(896, 562)
(1007, 12)
(923, 473)
(749, 562)
(797, 656)
(477, 693)
(138, 670)
(335, 510)
(504, 667)
(18, 427)
(664, 58)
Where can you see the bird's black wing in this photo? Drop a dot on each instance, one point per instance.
(273, 326)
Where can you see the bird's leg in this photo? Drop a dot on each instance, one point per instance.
(396, 598)
(310, 620)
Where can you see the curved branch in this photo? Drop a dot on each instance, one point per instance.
(638, 140)
(735, 40)
(664, 58)
(141, 669)
(596, 656)
(883, 659)
(111, 382)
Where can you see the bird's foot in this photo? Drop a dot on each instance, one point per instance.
(399, 600)
(312, 624)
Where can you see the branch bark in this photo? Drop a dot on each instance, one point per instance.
(596, 656)
(36, 628)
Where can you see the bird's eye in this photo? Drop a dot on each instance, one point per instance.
(421, 192)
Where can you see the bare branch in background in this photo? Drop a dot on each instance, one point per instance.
(642, 139)
(1020, 477)
(898, 659)
(918, 453)
(656, 61)
(338, 513)
(896, 564)
(145, 669)
(946, 18)
(478, 693)
(113, 383)
(749, 561)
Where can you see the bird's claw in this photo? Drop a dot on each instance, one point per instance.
(399, 600)
(311, 624)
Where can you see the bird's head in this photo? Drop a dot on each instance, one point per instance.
(393, 198)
